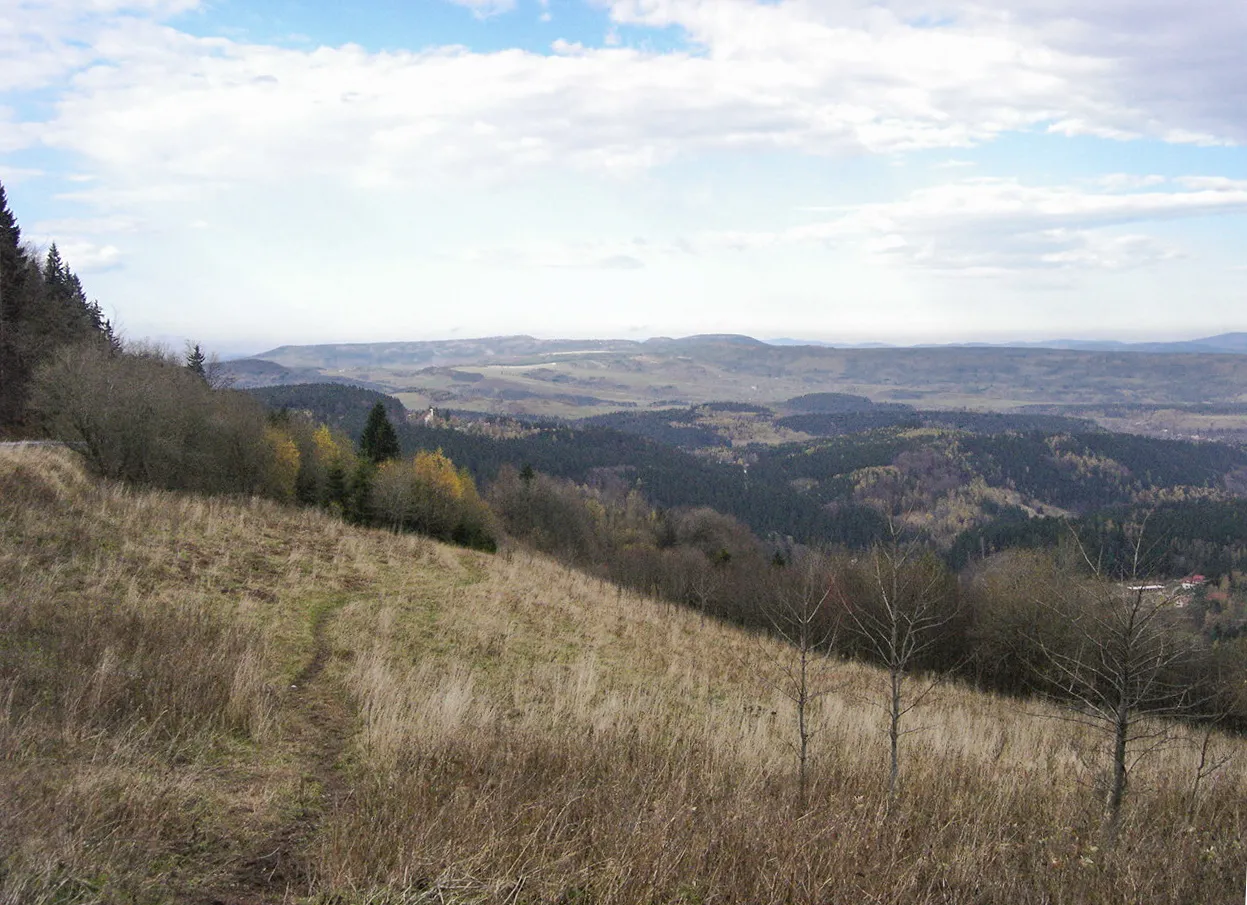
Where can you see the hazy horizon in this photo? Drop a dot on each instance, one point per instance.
(245, 350)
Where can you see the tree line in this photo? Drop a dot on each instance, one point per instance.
(144, 415)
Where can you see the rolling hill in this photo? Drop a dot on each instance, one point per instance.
(573, 379)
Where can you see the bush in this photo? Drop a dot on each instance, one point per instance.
(428, 494)
(144, 418)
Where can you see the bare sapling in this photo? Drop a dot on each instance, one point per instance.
(1119, 668)
(902, 601)
(800, 614)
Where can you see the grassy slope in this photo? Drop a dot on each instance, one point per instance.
(212, 701)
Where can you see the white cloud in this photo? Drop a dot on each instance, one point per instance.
(801, 75)
(1112, 68)
(92, 226)
(147, 98)
(811, 77)
(41, 41)
(10, 175)
(1177, 69)
(483, 9)
(562, 255)
(165, 129)
(14, 135)
(998, 226)
(85, 256)
(1119, 182)
(1213, 183)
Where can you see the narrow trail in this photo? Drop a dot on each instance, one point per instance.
(317, 724)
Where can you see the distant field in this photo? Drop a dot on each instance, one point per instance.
(1169, 422)
(522, 376)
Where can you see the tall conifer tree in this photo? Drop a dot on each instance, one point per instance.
(196, 361)
(13, 276)
(379, 441)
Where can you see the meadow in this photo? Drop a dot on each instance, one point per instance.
(232, 701)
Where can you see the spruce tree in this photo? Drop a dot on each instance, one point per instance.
(19, 295)
(10, 263)
(379, 441)
(54, 269)
(10, 232)
(196, 361)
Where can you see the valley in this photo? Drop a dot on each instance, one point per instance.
(1160, 391)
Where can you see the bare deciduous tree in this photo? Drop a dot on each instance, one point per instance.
(1120, 670)
(800, 614)
(143, 417)
(1212, 760)
(902, 601)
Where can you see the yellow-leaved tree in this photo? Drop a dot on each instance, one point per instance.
(284, 459)
(430, 495)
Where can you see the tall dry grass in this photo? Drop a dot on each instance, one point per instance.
(145, 643)
(499, 729)
(564, 742)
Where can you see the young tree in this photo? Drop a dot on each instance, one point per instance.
(379, 441)
(902, 601)
(800, 614)
(428, 494)
(1008, 623)
(1123, 668)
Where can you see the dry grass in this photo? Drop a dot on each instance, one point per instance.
(473, 728)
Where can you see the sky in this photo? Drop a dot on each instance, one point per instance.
(247, 174)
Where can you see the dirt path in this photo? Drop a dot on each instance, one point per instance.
(318, 725)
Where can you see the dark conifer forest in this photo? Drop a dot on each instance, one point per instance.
(43, 307)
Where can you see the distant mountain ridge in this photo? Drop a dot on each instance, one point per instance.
(259, 372)
(575, 378)
(1221, 344)
(434, 353)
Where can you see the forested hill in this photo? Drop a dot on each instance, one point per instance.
(1071, 466)
(968, 491)
(666, 476)
(816, 415)
(338, 405)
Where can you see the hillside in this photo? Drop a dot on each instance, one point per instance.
(220, 701)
